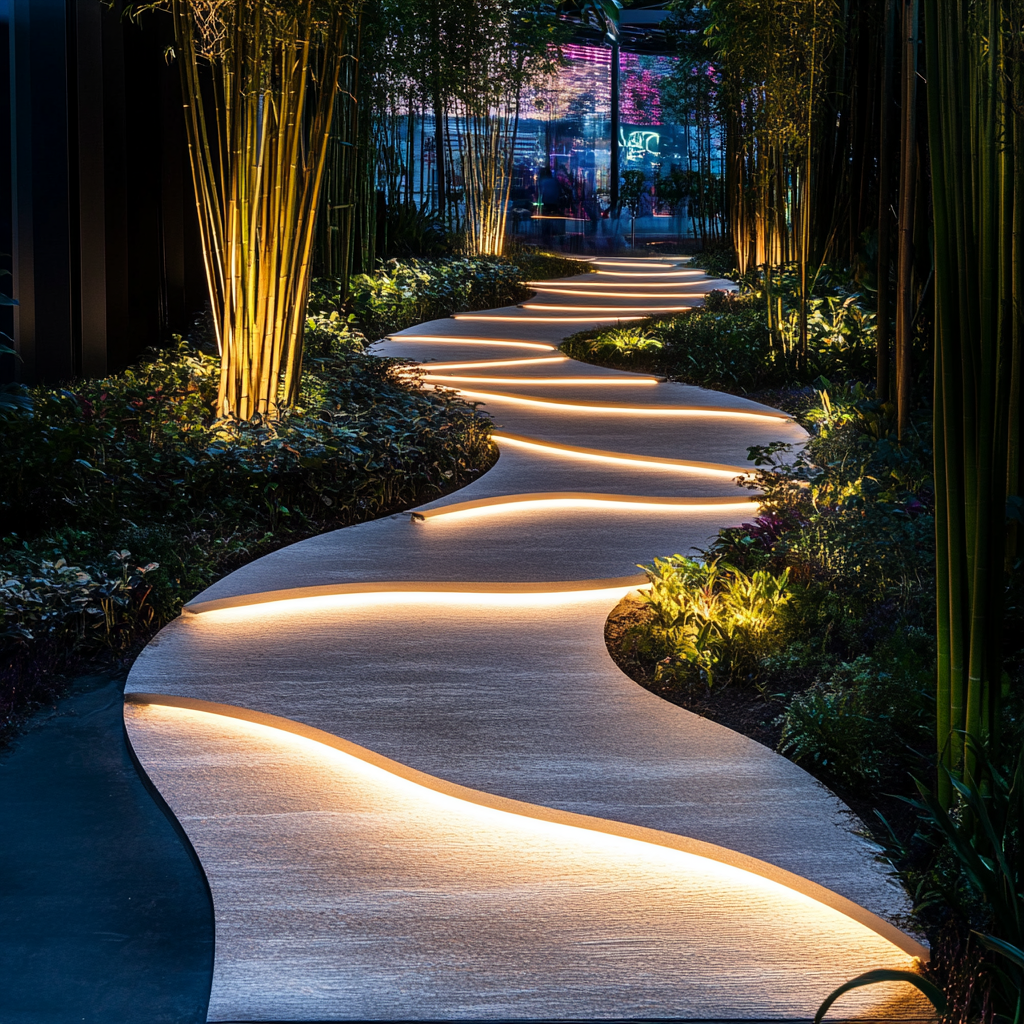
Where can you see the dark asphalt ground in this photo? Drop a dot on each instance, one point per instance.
(105, 915)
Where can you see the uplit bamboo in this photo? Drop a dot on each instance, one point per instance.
(975, 121)
(486, 146)
(259, 80)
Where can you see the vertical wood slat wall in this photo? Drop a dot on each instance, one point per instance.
(101, 232)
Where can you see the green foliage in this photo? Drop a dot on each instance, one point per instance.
(52, 600)
(978, 867)
(137, 463)
(537, 265)
(715, 622)
(845, 532)
(406, 292)
(401, 293)
(727, 343)
(632, 189)
(412, 232)
(931, 992)
(622, 342)
(725, 346)
(850, 726)
(716, 262)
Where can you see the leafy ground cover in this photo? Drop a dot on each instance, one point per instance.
(405, 292)
(124, 498)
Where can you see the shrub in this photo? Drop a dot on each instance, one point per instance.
(714, 622)
(716, 262)
(854, 726)
(623, 341)
(137, 464)
(727, 343)
(402, 293)
(538, 265)
(412, 232)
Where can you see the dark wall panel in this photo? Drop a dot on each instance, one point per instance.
(105, 245)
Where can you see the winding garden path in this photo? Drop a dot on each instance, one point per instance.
(419, 786)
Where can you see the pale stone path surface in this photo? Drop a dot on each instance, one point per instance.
(421, 789)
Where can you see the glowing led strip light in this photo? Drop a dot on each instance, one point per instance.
(636, 263)
(719, 856)
(657, 277)
(347, 595)
(621, 458)
(447, 340)
(605, 310)
(430, 367)
(544, 380)
(618, 407)
(545, 319)
(681, 293)
(696, 296)
(506, 503)
(594, 287)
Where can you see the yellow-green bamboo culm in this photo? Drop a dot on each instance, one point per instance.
(259, 81)
(973, 69)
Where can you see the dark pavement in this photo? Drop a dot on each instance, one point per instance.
(105, 915)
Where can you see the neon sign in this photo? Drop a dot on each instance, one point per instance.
(640, 144)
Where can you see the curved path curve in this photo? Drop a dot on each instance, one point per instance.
(418, 784)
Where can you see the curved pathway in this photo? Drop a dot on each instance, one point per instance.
(418, 784)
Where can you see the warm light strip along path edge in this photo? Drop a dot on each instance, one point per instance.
(584, 499)
(596, 282)
(600, 294)
(622, 407)
(505, 318)
(574, 381)
(448, 340)
(539, 360)
(601, 455)
(638, 833)
(402, 590)
(646, 310)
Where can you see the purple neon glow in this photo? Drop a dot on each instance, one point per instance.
(589, 72)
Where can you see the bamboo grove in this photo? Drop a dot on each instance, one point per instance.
(976, 136)
(818, 106)
(439, 88)
(259, 82)
(886, 136)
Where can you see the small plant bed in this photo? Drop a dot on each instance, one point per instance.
(125, 498)
(811, 630)
(405, 292)
(731, 345)
(808, 628)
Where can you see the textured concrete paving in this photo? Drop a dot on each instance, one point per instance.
(462, 651)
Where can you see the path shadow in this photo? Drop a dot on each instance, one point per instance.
(105, 914)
